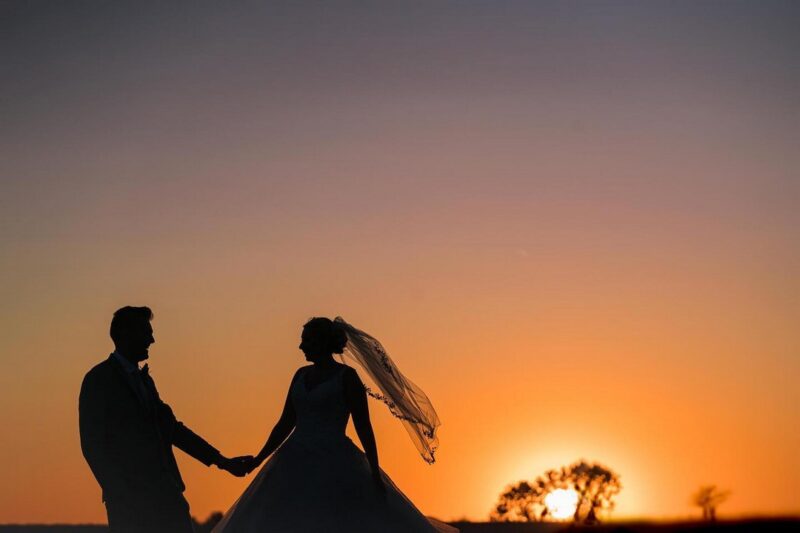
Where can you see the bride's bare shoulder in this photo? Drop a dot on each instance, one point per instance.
(351, 377)
(300, 371)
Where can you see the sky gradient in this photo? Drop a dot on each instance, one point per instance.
(573, 224)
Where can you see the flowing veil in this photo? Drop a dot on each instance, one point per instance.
(404, 399)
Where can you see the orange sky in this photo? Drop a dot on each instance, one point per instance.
(580, 241)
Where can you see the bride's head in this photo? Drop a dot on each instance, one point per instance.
(321, 338)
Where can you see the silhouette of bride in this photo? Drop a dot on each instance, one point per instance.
(317, 479)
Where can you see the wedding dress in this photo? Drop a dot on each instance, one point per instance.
(319, 481)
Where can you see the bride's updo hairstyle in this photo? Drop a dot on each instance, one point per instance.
(327, 333)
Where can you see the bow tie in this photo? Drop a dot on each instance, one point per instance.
(136, 371)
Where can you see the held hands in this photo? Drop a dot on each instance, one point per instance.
(252, 463)
(238, 466)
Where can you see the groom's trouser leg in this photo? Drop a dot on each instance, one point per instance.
(173, 516)
(124, 517)
(164, 515)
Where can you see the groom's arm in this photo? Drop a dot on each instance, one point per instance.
(177, 434)
(187, 440)
(196, 446)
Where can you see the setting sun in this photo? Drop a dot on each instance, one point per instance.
(561, 503)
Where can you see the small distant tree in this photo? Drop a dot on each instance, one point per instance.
(595, 485)
(708, 498)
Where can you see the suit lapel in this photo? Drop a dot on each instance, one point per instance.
(150, 386)
(127, 380)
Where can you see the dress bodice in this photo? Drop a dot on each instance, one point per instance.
(320, 412)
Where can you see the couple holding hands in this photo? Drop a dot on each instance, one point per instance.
(313, 478)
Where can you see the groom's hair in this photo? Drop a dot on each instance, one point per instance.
(127, 317)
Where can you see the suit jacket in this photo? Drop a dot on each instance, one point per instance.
(127, 441)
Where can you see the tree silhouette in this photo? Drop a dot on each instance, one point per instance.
(595, 485)
(708, 498)
(521, 502)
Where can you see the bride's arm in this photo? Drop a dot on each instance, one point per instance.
(356, 398)
(282, 428)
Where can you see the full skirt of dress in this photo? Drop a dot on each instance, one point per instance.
(323, 485)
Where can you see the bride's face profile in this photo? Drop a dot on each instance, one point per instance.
(311, 345)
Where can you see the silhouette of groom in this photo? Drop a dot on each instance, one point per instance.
(127, 435)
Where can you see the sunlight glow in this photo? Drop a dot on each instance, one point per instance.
(561, 503)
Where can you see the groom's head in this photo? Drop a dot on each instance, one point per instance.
(132, 333)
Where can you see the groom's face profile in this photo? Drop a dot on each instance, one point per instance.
(135, 340)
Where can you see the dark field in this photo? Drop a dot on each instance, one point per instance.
(765, 525)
